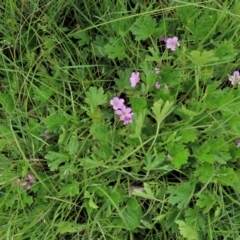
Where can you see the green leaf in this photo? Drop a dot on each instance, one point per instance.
(55, 159)
(181, 195)
(188, 134)
(69, 227)
(124, 79)
(7, 102)
(178, 153)
(186, 231)
(225, 52)
(70, 189)
(226, 176)
(138, 124)
(205, 173)
(202, 58)
(100, 132)
(115, 48)
(206, 201)
(144, 28)
(194, 218)
(90, 201)
(161, 110)
(42, 93)
(138, 104)
(82, 36)
(155, 55)
(56, 120)
(98, 46)
(132, 214)
(95, 97)
(72, 146)
(151, 163)
(149, 77)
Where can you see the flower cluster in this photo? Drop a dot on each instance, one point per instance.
(26, 184)
(125, 113)
(235, 78)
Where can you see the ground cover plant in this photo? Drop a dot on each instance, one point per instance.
(120, 119)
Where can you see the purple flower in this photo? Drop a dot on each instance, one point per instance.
(235, 78)
(117, 103)
(135, 78)
(166, 87)
(157, 85)
(171, 43)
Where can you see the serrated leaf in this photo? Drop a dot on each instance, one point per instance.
(138, 104)
(70, 189)
(225, 52)
(178, 153)
(72, 146)
(161, 110)
(143, 28)
(100, 132)
(205, 172)
(186, 231)
(202, 58)
(42, 93)
(95, 97)
(132, 214)
(226, 176)
(188, 135)
(98, 46)
(115, 48)
(194, 218)
(55, 121)
(7, 102)
(206, 201)
(55, 159)
(181, 195)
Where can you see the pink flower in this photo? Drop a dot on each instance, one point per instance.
(135, 188)
(157, 85)
(31, 178)
(127, 120)
(238, 143)
(171, 43)
(125, 114)
(235, 78)
(169, 157)
(26, 185)
(163, 38)
(157, 70)
(166, 87)
(117, 103)
(135, 78)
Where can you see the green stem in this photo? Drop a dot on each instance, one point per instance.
(197, 81)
